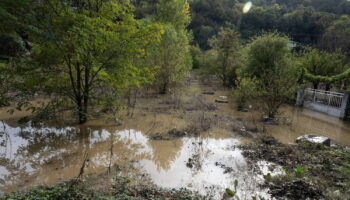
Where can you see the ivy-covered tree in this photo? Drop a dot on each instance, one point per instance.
(323, 63)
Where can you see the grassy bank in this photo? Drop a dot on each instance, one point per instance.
(121, 190)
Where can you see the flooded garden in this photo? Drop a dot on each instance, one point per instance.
(181, 140)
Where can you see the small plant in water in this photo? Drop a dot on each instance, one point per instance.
(229, 192)
(285, 170)
(267, 177)
(300, 171)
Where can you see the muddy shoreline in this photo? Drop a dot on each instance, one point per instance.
(311, 171)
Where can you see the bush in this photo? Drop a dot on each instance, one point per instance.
(272, 68)
(244, 92)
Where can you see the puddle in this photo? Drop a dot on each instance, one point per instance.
(46, 156)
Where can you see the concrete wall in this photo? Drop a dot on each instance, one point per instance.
(324, 109)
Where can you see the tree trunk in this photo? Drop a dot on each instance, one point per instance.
(81, 110)
(164, 88)
(328, 86)
(224, 69)
(86, 94)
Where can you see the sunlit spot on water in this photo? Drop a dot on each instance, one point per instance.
(247, 7)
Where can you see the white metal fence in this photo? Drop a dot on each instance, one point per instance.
(332, 99)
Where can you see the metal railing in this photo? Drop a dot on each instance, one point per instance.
(328, 98)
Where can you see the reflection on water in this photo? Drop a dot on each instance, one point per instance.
(32, 156)
(305, 121)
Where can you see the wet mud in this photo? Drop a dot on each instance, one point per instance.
(311, 171)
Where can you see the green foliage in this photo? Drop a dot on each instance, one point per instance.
(285, 170)
(196, 54)
(174, 12)
(322, 63)
(244, 93)
(337, 34)
(273, 70)
(305, 21)
(268, 177)
(227, 45)
(120, 191)
(5, 78)
(83, 47)
(208, 63)
(61, 191)
(322, 66)
(209, 16)
(16, 20)
(229, 192)
(16, 15)
(260, 19)
(172, 55)
(144, 8)
(299, 171)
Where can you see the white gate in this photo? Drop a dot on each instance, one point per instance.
(333, 99)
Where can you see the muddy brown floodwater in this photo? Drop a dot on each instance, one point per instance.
(47, 155)
(208, 163)
(303, 121)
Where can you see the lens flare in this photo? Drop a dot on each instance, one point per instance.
(247, 7)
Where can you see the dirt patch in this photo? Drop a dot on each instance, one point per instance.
(297, 189)
(176, 133)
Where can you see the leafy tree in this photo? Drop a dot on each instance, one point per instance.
(144, 8)
(226, 44)
(272, 69)
(323, 63)
(16, 20)
(6, 78)
(172, 55)
(208, 63)
(15, 15)
(83, 47)
(337, 36)
(174, 12)
(260, 19)
(209, 16)
(304, 25)
(335, 6)
(196, 54)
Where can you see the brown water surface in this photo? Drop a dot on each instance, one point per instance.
(32, 156)
(44, 156)
(303, 121)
